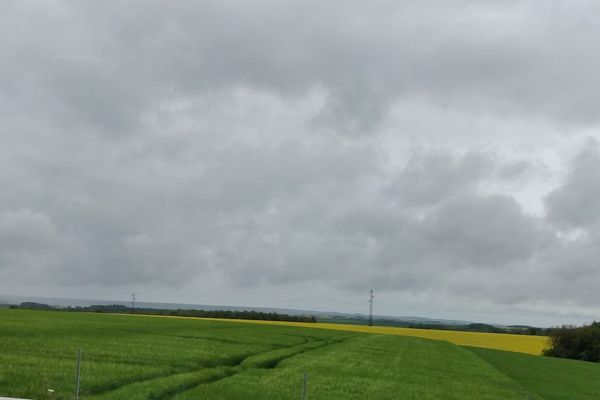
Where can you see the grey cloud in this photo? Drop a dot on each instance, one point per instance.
(482, 231)
(562, 272)
(373, 235)
(28, 242)
(431, 177)
(575, 203)
(466, 244)
(283, 215)
(23, 231)
(84, 55)
(217, 144)
(515, 170)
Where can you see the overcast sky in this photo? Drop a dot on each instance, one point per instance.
(299, 153)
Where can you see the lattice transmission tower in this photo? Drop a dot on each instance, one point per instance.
(371, 308)
(132, 302)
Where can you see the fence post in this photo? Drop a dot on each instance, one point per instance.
(304, 394)
(78, 374)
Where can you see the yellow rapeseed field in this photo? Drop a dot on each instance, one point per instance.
(499, 341)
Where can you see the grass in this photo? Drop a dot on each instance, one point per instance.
(37, 350)
(145, 357)
(549, 378)
(370, 367)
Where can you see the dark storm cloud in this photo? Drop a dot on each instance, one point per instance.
(252, 145)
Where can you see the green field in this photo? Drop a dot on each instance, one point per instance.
(552, 378)
(137, 357)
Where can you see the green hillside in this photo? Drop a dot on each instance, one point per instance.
(137, 357)
(550, 378)
(372, 367)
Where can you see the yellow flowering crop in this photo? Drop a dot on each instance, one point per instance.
(500, 341)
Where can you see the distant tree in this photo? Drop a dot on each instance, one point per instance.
(578, 343)
(122, 309)
(533, 331)
(37, 306)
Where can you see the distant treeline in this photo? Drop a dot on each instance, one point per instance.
(474, 327)
(121, 309)
(578, 343)
(486, 328)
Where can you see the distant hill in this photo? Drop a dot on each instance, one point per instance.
(121, 309)
(324, 316)
(321, 316)
(31, 305)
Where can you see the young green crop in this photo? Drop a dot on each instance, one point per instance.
(377, 367)
(140, 357)
(551, 378)
(37, 352)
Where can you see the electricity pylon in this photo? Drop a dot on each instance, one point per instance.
(371, 308)
(132, 302)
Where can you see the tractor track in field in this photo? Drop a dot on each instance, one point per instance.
(269, 365)
(207, 338)
(119, 384)
(222, 370)
(173, 391)
(230, 362)
(213, 373)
